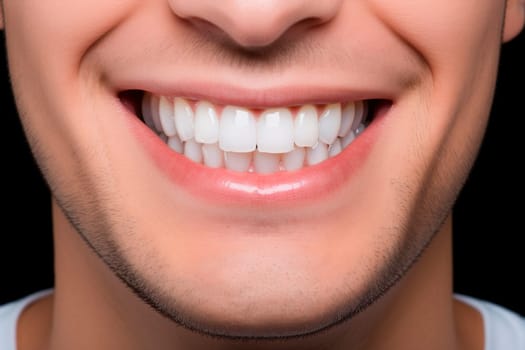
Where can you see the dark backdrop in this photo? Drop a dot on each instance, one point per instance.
(488, 248)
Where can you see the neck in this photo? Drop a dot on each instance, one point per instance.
(93, 309)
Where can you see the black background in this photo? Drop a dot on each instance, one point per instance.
(488, 240)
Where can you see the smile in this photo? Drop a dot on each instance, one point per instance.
(231, 153)
(263, 141)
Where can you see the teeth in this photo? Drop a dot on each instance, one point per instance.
(237, 161)
(146, 112)
(154, 112)
(335, 148)
(329, 123)
(264, 142)
(213, 155)
(306, 127)
(192, 150)
(237, 130)
(345, 141)
(347, 119)
(206, 123)
(167, 117)
(266, 163)
(317, 154)
(360, 109)
(176, 144)
(183, 119)
(275, 131)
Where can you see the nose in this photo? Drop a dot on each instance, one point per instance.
(255, 23)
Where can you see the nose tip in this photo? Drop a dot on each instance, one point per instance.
(255, 23)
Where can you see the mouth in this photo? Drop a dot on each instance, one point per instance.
(253, 153)
(253, 140)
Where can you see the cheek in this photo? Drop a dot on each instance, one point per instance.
(52, 36)
(447, 33)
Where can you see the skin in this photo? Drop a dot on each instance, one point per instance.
(378, 259)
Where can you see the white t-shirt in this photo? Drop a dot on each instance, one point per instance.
(504, 328)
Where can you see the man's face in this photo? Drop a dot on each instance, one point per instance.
(226, 156)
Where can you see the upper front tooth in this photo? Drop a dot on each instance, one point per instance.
(206, 123)
(183, 119)
(237, 130)
(275, 131)
(329, 123)
(306, 126)
(295, 159)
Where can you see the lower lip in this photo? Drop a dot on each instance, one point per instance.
(223, 186)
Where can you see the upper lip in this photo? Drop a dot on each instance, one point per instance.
(278, 96)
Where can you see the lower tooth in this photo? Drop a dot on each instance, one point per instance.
(213, 156)
(335, 148)
(192, 150)
(237, 161)
(176, 144)
(266, 163)
(294, 160)
(345, 141)
(317, 154)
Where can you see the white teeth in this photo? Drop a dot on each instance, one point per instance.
(176, 144)
(275, 131)
(360, 129)
(360, 110)
(266, 163)
(335, 148)
(294, 160)
(329, 123)
(237, 161)
(206, 123)
(213, 156)
(192, 150)
(183, 119)
(167, 116)
(154, 108)
(237, 130)
(306, 126)
(347, 119)
(146, 112)
(243, 140)
(345, 141)
(317, 154)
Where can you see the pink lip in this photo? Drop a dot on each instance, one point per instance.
(221, 94)
(223, 186)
